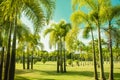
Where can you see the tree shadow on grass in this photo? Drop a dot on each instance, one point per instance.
(43, 79)
(20, 78)
(71, 73)
(19, 71)
(23, 78)
(116, 76)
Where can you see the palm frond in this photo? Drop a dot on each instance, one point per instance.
(22, 30)
(116, 11)
(36, 14)
(48, 31)
(49, 6)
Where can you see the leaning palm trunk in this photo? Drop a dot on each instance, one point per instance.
(7, 62)
(102, 77)
(1, 63)
(13, 55)
(94, 57)
(111, 75)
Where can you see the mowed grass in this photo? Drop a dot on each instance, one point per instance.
(48, 72)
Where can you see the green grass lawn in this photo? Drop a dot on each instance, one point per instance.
(48, 72)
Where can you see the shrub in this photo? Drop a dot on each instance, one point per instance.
(70, 62)
(44, 60)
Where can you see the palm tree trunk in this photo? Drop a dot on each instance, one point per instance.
(61, 58)
(7, 62)
(32, 61)
(23, 60)
(64, 57)
(94, 57)
(13, 55)
(28, 60)
(102, 77)
(58, 59)
(1, 63)
(111, 75)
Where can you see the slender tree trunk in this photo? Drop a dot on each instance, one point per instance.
(61, 58)
(7, 62)
(94, 57)
(111, 75)
(102, 77)
(32, 61)
(13, 55)
(1, 63)
(28, 59)
(23, 60)
(58, 63)
(64, 57)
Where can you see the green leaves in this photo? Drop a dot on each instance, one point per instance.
(86, 31)
(35, 13)
(49, 6)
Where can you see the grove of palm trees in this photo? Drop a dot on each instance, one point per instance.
(59, 40)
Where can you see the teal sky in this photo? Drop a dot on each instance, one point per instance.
(64, 10)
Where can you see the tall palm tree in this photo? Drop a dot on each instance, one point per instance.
(114, 12)
(57, 35)
(66, 27)
(95, 8)
(84, 18)
(54, 40)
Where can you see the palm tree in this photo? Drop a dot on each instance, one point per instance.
(66, 27)
(95, 8)
(35, 43)
(84, 18)
(22, 35)
(8, 53)
(54, 40)
(57, 35)
(113, 13)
